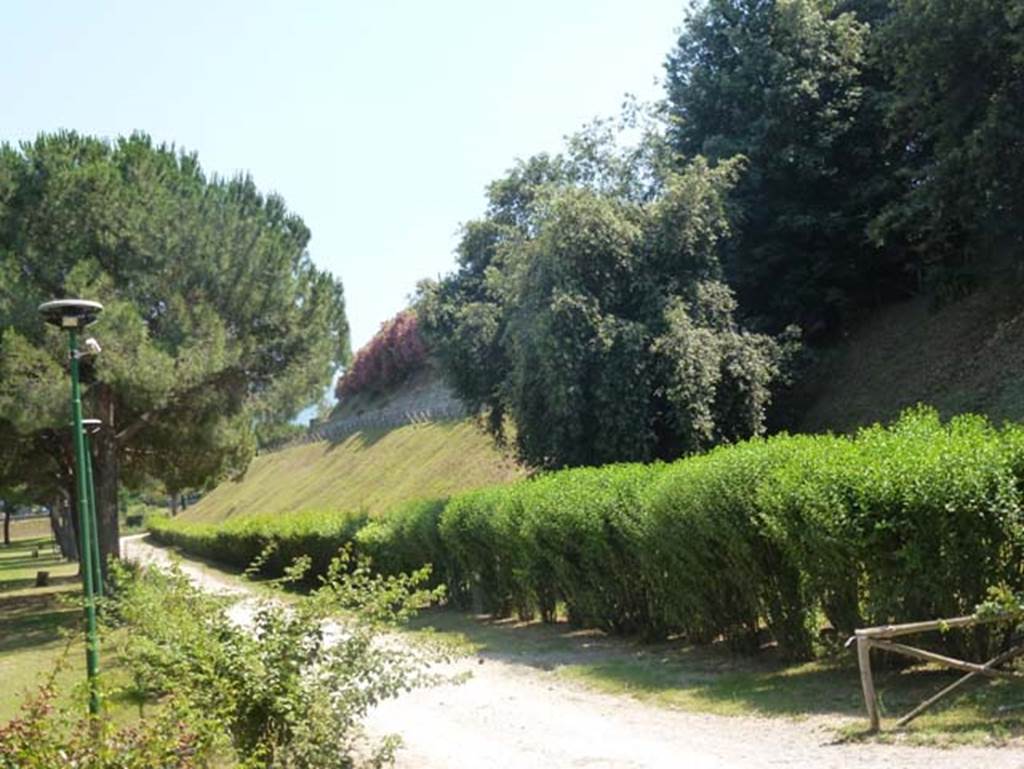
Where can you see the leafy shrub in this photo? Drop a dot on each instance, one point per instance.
(481, 532)
(911, 521)
(803, 507)
(936, 511)
(44, 736)
(705, 541)
(406, 538)
(916, 520)
(284, 689)
(585, 535)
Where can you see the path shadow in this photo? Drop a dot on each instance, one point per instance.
(714, 679)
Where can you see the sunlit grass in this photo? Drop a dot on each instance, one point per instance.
(373, 470)
(41, 633)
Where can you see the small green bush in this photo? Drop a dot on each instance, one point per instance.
(585, 535)
(724, 574)
(937, 513)
(44, 736)
(285, 689)
(803, 507)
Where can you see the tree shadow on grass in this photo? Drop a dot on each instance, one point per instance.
(47, 560)
(361, 439)
(35, 619)
(58, 583)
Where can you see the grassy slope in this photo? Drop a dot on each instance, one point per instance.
(372, 470)
(964, 356)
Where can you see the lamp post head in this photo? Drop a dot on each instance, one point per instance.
(70, 313)
(92, 426)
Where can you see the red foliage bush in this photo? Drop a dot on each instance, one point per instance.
(394, 353)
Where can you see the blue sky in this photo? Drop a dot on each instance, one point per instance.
(380, 123)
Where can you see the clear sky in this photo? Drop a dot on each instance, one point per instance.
(380, 123)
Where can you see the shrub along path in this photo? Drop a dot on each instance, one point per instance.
(510, 715)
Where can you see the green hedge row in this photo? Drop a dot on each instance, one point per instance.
(781, 535)
(241, 541)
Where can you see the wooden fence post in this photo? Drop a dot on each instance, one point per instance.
(867, 682)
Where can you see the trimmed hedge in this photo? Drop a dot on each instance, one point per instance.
(715, 568)
(407, 538)
(911, 521)
(771, 536)
(240, 541)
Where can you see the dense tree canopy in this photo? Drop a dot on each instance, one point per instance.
(588, 308)
(884, 140)
(788, 84)
(956, 73)
(215, 319)
(820, 157)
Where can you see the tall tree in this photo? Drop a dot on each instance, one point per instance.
(588, 308)
(954, 110)
(215, 318)
(789, 85)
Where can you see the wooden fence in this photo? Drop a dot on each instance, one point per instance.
(881, 638)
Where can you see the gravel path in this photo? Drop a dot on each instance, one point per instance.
(516, 717)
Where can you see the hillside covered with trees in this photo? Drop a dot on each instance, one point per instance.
(814, 162)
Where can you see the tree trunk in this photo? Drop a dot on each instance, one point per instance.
(63, 531)
(74, 518)
(106, 467)
(174, 503)
(7, 525)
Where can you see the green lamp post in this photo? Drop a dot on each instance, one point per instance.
(91, 427)
(72, 315)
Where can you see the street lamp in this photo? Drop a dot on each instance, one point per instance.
(71, 315)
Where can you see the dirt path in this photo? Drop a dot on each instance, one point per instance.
(511, 716)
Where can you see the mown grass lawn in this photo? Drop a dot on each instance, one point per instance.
(35, 622)
(41, 633)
